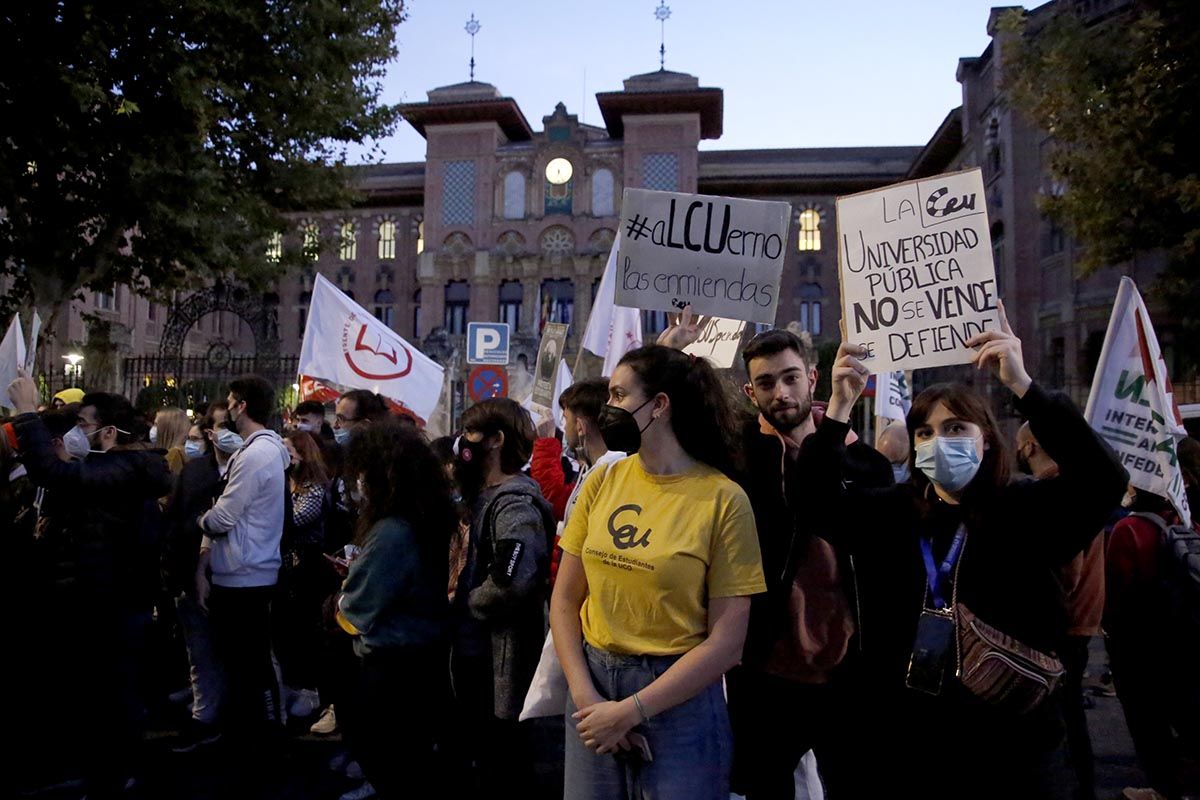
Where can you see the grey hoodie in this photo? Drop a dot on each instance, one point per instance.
(244, 526)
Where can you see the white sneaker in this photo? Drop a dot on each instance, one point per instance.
(327, 724)
(361, 793)
(305, 703)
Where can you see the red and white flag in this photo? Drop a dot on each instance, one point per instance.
(345, 345)
(612, 330)
(1131, 403)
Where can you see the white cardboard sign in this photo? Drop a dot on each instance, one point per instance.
(721, 255)
(719, 341)
(916, 271)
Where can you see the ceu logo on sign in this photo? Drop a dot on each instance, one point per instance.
(953, 205)
(627, 536)
(370, 356)
(487, 343)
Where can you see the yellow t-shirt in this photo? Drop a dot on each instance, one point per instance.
(655, 548)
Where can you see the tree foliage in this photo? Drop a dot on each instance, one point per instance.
(1119, 98)
(159, 143)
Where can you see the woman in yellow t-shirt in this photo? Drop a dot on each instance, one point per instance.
(649, 610)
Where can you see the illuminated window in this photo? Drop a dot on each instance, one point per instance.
(420, 237)
(311, 234)
(387, 238)
(810, 230)
(275, 247)
(347, 241)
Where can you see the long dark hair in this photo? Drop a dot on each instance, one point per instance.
(401, 478)
(702, 418)
(964, 403)
(312, 467)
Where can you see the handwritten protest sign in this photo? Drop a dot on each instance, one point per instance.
(721, 255)
(554, 338)
(916, 272)
(718, 342)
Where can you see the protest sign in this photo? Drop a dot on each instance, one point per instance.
(723, 256)
(1131, 404)
(893, 396)
(12, 356)
(35, 328)
(554, 337)
(718, 342)
(916, 272)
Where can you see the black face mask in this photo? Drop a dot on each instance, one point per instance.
(620, 430)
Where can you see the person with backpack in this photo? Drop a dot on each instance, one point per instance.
(660, 559)
(1152, 617)
(960, 611)
(500, 605)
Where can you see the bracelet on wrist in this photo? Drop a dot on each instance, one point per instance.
(637, 702)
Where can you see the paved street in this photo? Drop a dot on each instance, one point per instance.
(304, 776)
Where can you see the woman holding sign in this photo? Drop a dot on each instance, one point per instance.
(959, 611)
(660, 557)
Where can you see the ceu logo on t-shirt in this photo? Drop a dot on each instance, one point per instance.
(626, 536)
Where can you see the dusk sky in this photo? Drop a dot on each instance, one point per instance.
(795, 74)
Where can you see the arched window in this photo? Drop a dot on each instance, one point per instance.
(511, 294)
(275, 247)
(810, 230)
(347, 240)
(458, 300)
(387, 238)
(311, 235)
(385, 309)
(514, 195)
(602, 193)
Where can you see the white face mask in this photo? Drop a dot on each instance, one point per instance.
(307, 427)
(76, 443)
(228, 442)
(153, 434)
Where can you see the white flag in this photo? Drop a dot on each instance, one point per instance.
(612, 330)
(35, 327)
(893, 395)
(346, 345)
(1131, 403)
(12, 356)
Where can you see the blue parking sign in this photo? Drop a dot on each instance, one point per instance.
(487, 343)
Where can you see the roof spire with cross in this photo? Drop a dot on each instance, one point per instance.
(661, 14)
(472, 27)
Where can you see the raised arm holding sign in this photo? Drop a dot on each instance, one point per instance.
(916, 271)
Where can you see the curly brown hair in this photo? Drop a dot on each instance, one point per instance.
(403, 478)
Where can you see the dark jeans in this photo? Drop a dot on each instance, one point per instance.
(389, 719)
(499, 750)
(775, 722)
(241, 634)
(1160, 705)
(1079, 742)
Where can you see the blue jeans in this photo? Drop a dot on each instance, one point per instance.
(691, 744)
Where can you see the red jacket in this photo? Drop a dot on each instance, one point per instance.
(546, 468)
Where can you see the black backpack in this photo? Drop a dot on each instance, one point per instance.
(1178, 575)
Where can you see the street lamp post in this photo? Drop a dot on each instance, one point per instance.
(72, 370)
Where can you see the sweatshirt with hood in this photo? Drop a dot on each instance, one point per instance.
(244, 526)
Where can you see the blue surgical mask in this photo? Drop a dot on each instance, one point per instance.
(341, 436)
(949, 461)
(900, 471)
(192, 449)
(228, 441)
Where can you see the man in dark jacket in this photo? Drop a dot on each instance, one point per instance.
(789, 694)
(109, 576)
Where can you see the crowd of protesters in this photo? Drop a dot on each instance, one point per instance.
(727, 584)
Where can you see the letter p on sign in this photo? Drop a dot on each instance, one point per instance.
(487, 343)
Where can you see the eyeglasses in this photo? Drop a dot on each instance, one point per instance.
(343, 420)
